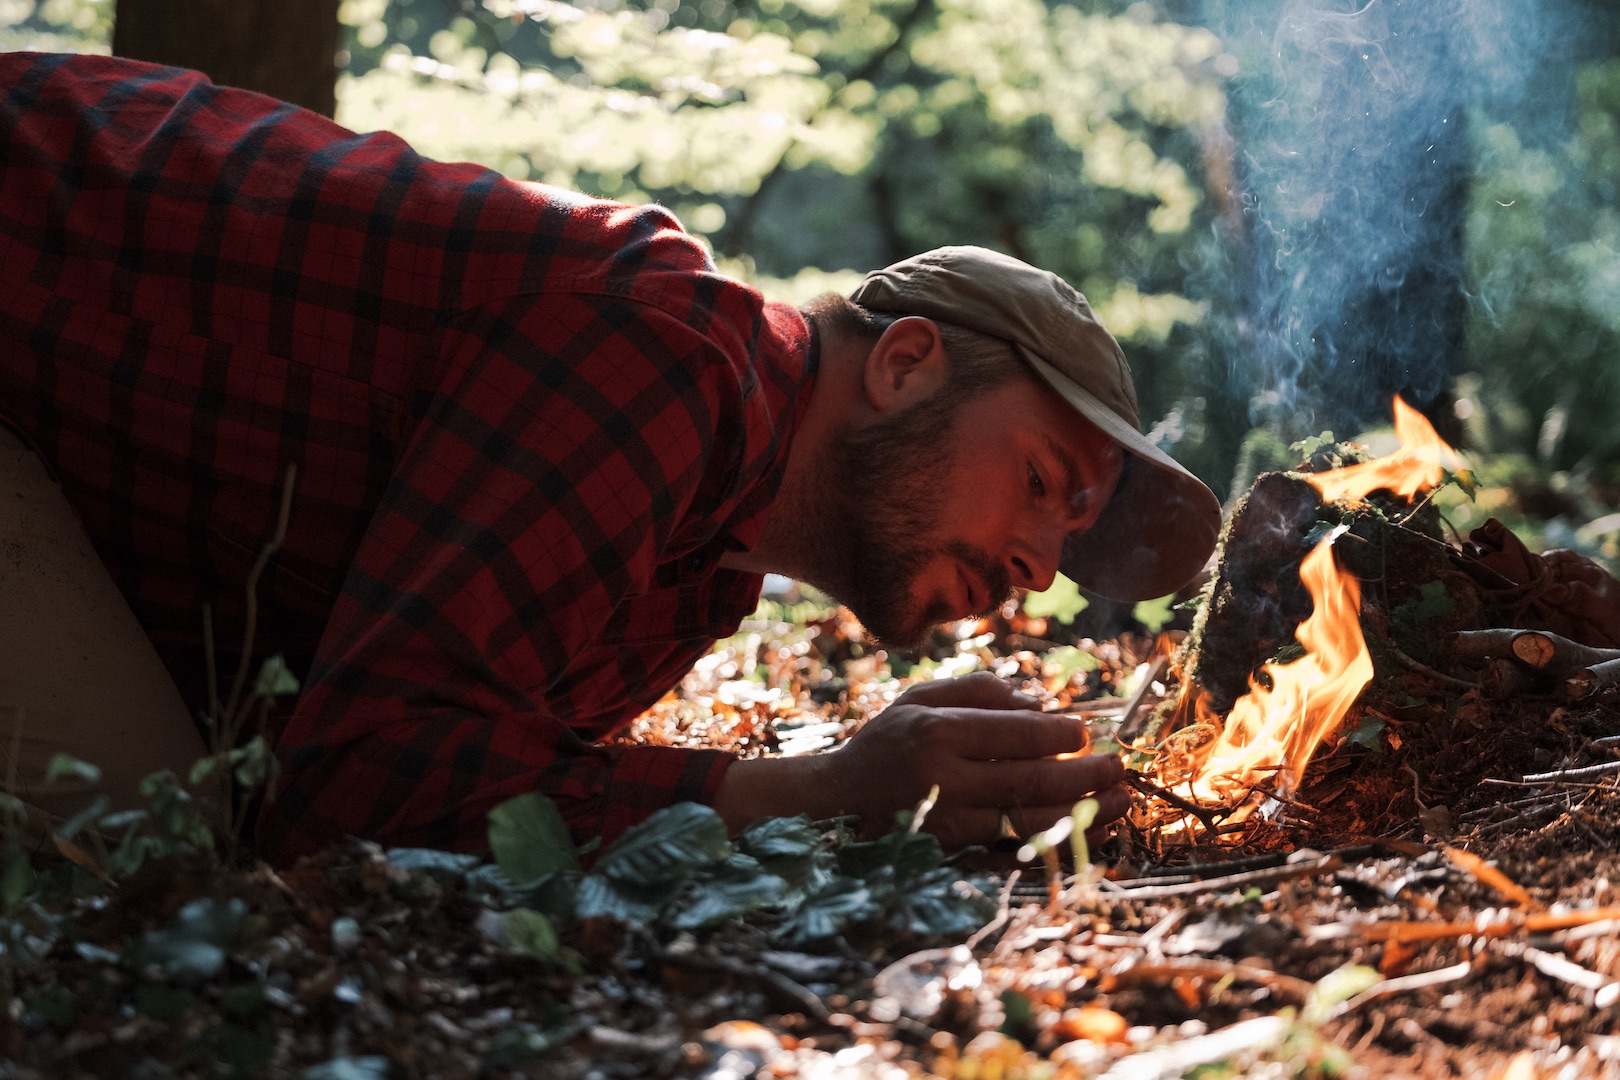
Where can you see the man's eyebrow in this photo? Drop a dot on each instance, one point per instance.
(1077, 497)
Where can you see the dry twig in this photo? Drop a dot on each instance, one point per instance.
(1206, 968)
(1287, 872)
(1409, 932)
(1211, 819)
(1404, 983)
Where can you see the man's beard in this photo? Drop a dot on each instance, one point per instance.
(876, 523)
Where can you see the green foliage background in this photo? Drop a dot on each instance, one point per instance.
(810, 140)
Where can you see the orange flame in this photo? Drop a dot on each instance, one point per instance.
(1275, 730)
(1416, 464)
(1284, 725)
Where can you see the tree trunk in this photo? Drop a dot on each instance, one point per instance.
(284, 48)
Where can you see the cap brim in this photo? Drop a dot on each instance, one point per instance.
(1161, 525)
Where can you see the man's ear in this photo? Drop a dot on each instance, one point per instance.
(906, 365)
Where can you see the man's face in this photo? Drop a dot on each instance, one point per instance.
(942, 510)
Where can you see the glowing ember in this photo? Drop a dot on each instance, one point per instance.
(1274, 731)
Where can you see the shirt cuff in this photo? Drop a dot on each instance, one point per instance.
(645, 779)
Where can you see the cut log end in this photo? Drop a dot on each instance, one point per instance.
(1598, 680)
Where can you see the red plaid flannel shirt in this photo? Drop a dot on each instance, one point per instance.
(526, 424)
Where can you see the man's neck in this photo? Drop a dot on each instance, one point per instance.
(790, 517)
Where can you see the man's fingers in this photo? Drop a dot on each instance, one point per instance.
(1045, 782)
(980, 690)
(990, 734)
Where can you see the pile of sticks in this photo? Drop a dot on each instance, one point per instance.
(1516, 662)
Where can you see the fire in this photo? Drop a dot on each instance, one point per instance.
(1274, 731)
(1284, 725)
(1415, 465)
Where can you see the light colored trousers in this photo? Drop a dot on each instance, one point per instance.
(77, 673)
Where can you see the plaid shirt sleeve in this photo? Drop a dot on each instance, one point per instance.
(527, 426)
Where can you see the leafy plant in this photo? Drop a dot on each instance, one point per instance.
(678, 871)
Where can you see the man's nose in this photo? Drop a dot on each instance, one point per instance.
(1033, 563)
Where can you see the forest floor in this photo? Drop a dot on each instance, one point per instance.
(1415, 908)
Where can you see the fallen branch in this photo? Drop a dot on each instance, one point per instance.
(1591, 681)
(1510, 657)
(1559, 655)
(1474, 647)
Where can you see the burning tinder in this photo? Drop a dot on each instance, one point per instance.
(1270, 734)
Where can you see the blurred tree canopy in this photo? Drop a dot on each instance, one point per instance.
(808, 136)
(1141, 150)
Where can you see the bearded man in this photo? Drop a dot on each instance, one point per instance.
(544, 454)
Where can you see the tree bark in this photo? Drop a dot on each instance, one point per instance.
(284, 48)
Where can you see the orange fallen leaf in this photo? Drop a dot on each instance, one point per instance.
(1091, 1023)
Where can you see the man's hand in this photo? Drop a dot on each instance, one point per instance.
(984, 744)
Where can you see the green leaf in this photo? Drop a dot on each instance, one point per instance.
(1061, 601)
(902, 853)
(254, 762)
(1309, 445)
(532, 934)
(1068, 660)
(448, 865)
(734, 888)
(666, 847)
(529, 838)
(640, 904)
(1337, 986)
(66, 766)
(1432, 602)
(204, 769)
(275, 678)
(349, 1068)
(780, 838)
(824, 915)
(943, 905)
(1154, 614)
(1018, 1015)
(789, 849)
(1369, 734)
(193, 947)
(16, 877)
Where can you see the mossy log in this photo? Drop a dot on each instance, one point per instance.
(1411, 597)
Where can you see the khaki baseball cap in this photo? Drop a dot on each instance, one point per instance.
(1158, 530)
